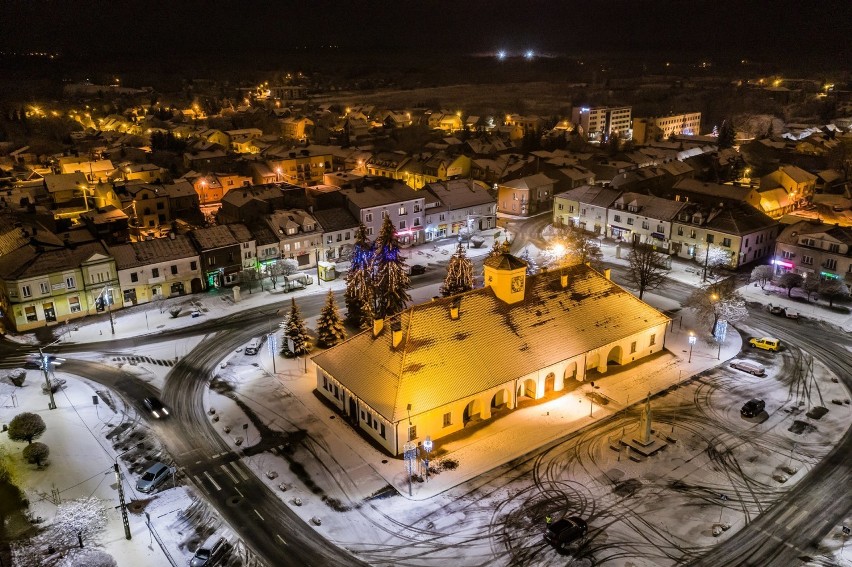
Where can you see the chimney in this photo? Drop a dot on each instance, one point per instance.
(607, 273)
(378, 325)
(563, 281)
(454, 308)
(396, 333)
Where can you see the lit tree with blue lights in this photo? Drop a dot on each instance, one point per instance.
(389, 275)
(358, 281)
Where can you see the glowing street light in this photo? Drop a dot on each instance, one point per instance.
(427, 448)
(501, 55)
(529, 54)
(692, 339)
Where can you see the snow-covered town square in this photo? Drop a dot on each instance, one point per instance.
(654, 454)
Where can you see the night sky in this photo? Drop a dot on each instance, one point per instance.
(725, 28)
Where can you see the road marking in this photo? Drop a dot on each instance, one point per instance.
(789, 511)
(281, 539)
(198, 481)
(238, 470)
(258, 514)
(213, 482)
(797, 519)
(238, 492)
(229, 473)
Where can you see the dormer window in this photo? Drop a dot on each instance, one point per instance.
(291, 231)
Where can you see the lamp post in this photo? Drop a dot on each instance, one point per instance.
(692, 339)
(121, 501)
(45, 364)
(106, 296)
(427, 447)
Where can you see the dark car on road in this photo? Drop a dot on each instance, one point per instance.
(156, 407)
(753, 407)
(565, 531)
(418, 270)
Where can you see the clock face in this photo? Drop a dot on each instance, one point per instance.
(517, 284)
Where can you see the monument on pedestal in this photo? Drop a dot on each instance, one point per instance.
(645, 443)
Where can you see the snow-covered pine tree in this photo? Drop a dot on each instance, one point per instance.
(330, 329)
(390, 278)
(296, 332)
(358, 280)
(459, 274)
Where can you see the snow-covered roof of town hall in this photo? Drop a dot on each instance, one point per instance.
(440, 359)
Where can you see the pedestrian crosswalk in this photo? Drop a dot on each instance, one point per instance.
(232, 470)
(148, 359)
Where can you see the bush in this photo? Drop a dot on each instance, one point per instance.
(36, 453)
(175, 310)
(26, 427)
(17, 376)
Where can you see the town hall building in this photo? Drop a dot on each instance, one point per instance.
(439, 366)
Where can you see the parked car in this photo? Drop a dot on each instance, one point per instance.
(209, 552)
(749, 366)
(156, 407)
(417, 270)
(153, 477)
(790, 314)
(775, 309)
(565, 531)
(766, 343)
(253, 347)
(753, 407)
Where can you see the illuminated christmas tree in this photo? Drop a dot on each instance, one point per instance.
(459, 274)
(389, 274)
(330, 329)
(358, 280)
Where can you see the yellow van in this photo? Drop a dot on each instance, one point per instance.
(766, 343)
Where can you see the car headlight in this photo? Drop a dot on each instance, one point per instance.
(155, 414)
(165, 411)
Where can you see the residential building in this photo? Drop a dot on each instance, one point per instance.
(338, 234)
(439, 366)
(815, 249)
(642, 219)
(300, 167)
(42, 286)
(296, 128)
(240, 141)
(733, 229)
(662, 127)
(458, 204)
(95, 171)
(387, 164)
(109, 224)
(157, 269)
(267, 243)
(220, 250)
(148, 206)
(585, 207)
(299, 236)
(372, 198)
(796, 182)
(600, 122)
(249, 204)
(527, 196)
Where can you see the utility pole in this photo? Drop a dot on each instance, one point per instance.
(122, 504)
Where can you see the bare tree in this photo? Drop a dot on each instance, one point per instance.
(719, 301)
(790, 280)
(762, 275)
(833, 290)
(811, 286)
(573, 245)
(647, 268)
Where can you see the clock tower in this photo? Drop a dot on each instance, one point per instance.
(507, 276)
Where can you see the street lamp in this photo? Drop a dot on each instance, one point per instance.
(427, 447)
(106, 297)
(692, 339)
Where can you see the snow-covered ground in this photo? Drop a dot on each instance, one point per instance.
(488, 491)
